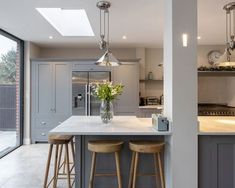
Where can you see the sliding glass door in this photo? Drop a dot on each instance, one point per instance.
(11, 88)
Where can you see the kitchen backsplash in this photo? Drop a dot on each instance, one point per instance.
(216, 90)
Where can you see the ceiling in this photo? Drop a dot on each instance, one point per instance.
(141, 21)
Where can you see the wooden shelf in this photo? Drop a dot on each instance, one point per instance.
(151, 80)
(216, 73)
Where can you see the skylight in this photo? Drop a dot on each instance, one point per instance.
(68, 22)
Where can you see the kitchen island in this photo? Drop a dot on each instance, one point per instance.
(125, 128)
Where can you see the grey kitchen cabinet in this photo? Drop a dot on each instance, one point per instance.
(51, 94)
(128, 75)
(216, 162)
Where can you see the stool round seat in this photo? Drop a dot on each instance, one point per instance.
(150, 147)
(59, 139)
(105, 146)
(146, 146)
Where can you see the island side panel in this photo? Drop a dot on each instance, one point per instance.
(106, 163)
(78, 161)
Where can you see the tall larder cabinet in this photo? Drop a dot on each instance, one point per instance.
(50, 97)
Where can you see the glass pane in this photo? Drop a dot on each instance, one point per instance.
(97, 77)
(9, 94)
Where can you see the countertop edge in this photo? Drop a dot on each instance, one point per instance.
(216, 133)
(111, 134)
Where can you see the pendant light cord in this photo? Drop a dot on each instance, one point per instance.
(100, 24)
(108, 30)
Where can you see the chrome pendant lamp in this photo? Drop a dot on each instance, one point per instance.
(108, 59)
(225, 59)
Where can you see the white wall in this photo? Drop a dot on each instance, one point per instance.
(180, 91)
(31, 51)
(214, 89)
(210, 89)
(153, 58)
(85, 53)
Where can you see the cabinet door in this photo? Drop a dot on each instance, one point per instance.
(42, 88)
(216, 161)
(128, 75)
(62, 81)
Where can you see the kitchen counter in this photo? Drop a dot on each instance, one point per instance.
(121, 125)
(216, 125)
(160, 107)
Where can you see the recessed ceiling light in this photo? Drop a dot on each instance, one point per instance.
(50, 37)
(185, 39)
(199, 37)
(124, 37)
(68, 22)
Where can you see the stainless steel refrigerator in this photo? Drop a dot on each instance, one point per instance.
(83, 102)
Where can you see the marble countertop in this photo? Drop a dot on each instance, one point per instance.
(216, 125)
(121, 125)
(160, 107)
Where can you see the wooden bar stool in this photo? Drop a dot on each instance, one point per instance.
(105, 146)
(153, 147)
(59, 141)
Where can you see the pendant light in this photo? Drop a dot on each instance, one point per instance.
(225, 59)
(108, 59)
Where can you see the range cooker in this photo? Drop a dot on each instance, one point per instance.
(205, 109)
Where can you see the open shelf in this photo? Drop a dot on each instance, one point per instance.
(154, 80)
(216, 73)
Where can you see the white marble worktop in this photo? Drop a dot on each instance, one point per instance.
(121, 125)
(159, 107)
(216, 125)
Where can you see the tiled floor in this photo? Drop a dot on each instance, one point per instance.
(25, 167)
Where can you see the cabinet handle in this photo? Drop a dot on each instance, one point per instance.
(53, 110)
(43, 134)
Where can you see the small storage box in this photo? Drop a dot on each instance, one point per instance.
(160, 123)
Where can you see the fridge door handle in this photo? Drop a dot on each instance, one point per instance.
(89, 99)
(86, 93)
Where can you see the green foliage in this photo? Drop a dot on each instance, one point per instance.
(8, 67)
(107, 91)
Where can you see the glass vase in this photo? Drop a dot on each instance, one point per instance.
(106, 111)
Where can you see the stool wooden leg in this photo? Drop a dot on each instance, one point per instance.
(73, 152)
(67, 165)
(59, 161)
(135, 169)
(93, 164)
(160, 170)
(131, 170)
(117, 159)
(55, 166)
(48, 166)
(64, 163)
